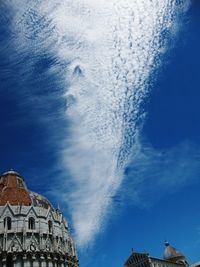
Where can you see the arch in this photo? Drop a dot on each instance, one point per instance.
(7, 223)
(50, 226)
(31, 223)
(9, 261)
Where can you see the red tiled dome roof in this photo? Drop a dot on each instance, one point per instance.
(13, 190)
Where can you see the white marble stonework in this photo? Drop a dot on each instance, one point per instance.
(34, 236)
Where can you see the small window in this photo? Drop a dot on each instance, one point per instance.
(31, 223)
(20, 184)
(7, 223)
(50, 225)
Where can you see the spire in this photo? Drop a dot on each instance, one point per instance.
(166, 243)
(171, 253)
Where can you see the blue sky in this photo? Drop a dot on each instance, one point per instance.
(158, 199)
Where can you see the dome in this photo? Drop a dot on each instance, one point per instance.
(13, 190)
(39, 200)
(12, 172)
(171, 253)
(32, 232)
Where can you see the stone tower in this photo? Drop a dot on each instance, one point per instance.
(32, 232)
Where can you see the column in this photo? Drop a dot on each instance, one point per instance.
(62, 262)
(43, 261)
(35, 261)
(49, 260)
(14, 259)
(4, 262)
(17, 262)
(27, 262)
(66, 263)
(43, 264)
(55, 262)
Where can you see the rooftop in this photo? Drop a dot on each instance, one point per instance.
(13, 190)
(12, 172)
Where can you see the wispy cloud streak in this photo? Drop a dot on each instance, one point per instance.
(107, 52)
(153, 173)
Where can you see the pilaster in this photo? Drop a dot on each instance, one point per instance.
(4, 261)
(35, 261)
(55, 261)
(43, 262)
(50, 263)
(18, 263)
(27, 261)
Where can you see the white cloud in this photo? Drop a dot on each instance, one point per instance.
(153, 173)
(108, 51)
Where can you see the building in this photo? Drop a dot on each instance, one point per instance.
(172, 258)
(32, 232)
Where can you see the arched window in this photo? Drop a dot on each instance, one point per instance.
(9, 261)
(7, 223)
(50, 225)
(31, 223)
